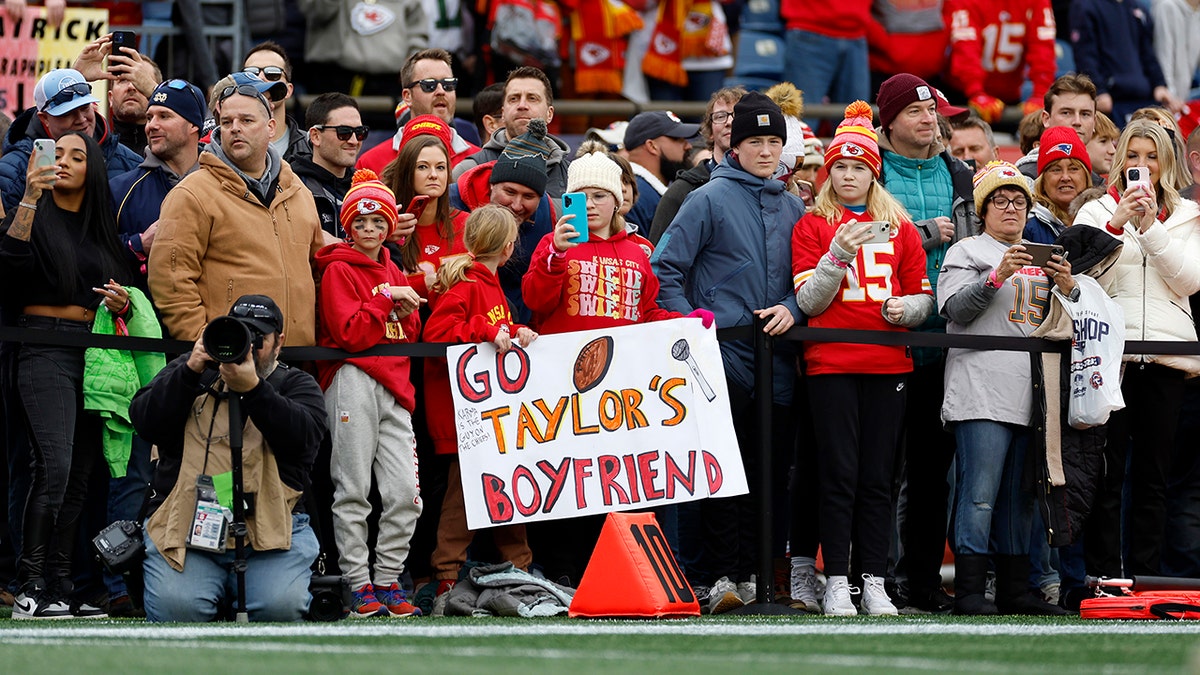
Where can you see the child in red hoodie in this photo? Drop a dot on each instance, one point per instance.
(601, 283)
(366, 301)
(472, 307)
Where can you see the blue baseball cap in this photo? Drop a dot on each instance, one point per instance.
(183, 98)
(274, 91)
(61, 91)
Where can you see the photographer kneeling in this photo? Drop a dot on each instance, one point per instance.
(189, 565)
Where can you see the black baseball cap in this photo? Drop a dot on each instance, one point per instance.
(259, 311)
(647, 125)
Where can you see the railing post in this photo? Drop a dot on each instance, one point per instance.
(764, 398)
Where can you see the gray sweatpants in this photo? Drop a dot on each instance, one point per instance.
(371, 434)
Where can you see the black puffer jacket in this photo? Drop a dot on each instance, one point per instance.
(1065, 507)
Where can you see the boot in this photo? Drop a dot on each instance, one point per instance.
(38, 531)
(1012, 589)
(970, 575)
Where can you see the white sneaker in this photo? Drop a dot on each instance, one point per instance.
(875, 600)
(723, 597)
(35, 603)
(748, 590)
(837, 597)
(804, 589)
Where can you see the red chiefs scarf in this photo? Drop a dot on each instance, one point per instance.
(664, 59)
(599, 29)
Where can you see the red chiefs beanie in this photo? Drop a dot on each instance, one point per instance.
(367, 195)
(1061, 143)
(431, 125)
(856, 139)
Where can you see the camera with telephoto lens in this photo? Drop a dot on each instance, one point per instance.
(120, 546)
(228, 339)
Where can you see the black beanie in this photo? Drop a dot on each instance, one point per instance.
(756, 115)
(522, 162)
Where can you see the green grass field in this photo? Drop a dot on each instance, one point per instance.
(707, 645)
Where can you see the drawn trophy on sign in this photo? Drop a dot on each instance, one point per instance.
(680, 351)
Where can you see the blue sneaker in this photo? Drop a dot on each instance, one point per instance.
(364, 603)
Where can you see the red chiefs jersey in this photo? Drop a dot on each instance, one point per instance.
(878, 272)
(433, 249)
(993, 44)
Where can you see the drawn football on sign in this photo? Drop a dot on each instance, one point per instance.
(592, 363)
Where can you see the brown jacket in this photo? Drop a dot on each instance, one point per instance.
(217, 242)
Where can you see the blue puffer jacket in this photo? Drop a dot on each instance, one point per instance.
(18, 145)
(729, 250)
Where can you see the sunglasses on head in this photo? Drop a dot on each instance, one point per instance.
(68, 93)
(343, 131)
(182, 85)
(245, 90)
(429, 84)
(271, 73)
(251, 311)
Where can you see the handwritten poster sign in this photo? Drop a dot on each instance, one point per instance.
(33, 48)
(593, 422)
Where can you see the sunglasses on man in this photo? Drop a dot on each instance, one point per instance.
(429, 84)
(270, 73)
(344, 131)
(245, 90)
(68, 93)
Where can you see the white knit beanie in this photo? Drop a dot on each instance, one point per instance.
(595, 170)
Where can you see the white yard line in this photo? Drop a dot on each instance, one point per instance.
(806, 657)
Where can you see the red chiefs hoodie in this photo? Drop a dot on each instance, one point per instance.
(602, 283)
(354, 316)
(472, 310)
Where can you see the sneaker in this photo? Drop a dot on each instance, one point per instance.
(1049, 593)
(837, 597)
(723, 597)
(87, 610)
(701, 592)
(748, 590)
(442, 597)
(363, 603)
(804, 589)
(875, 600)
(396, 601)
(36, 603)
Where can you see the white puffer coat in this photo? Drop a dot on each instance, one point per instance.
(1153, 277)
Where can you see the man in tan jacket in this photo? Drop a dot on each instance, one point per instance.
(242, 223)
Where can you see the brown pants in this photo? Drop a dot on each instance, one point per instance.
(453, 537)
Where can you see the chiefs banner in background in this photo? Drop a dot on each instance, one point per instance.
(593, 422)
(32, 48)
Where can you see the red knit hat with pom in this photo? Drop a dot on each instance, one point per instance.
(856, 139)
(367, 195)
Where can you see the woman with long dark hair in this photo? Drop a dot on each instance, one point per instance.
(59, 259)
(423, 168)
